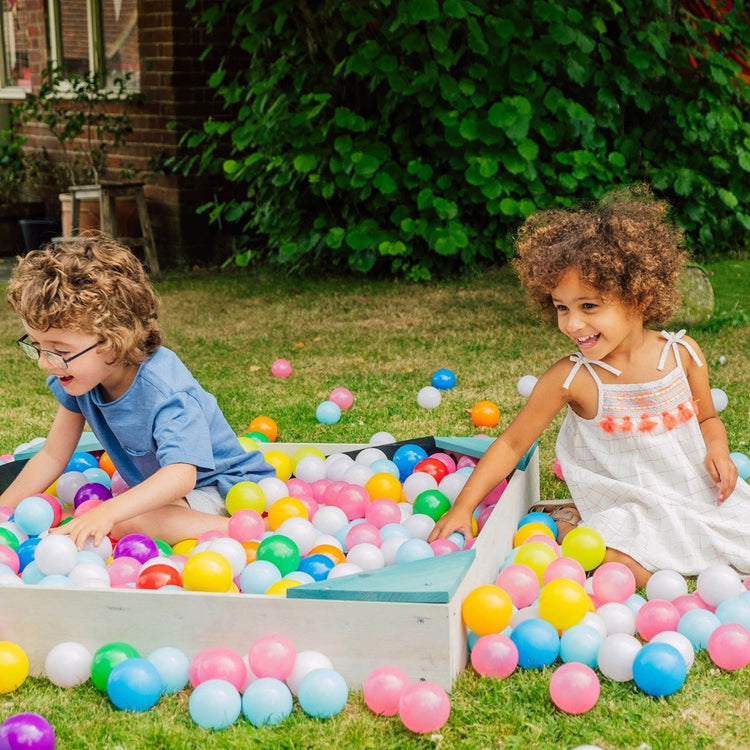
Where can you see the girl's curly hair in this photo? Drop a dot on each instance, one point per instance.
(625, 247)
(90, 285)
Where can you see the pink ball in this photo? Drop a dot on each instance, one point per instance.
(424, 707)
(208, 536)
(465, 461)
(353, 500)
(297, 487)
(246, 524)
(443, 547)
(9, 557)
(574, 688)
(318, 487)
(494, 494)
(5, 513)
(544, 539)
(469, 543)
(564, 567)
(55, 504)
(656, 616)
(383, 688)
(281, 368)
(86, 505)
(331, 492)
(342, 397)
(310, 503)
(686, 602)
(217, 664)
(123, 571)
(558, 470)
(450, 464)
(520, 582)
(484, 516)
(272, 655)
(745, 583)
(494, 655)
(613, 582)
(119, 485)
(729, 646)
(362, 533)
(382, 511)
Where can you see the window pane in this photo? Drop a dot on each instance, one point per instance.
(120, 22)
(15, 44)
(74, 33)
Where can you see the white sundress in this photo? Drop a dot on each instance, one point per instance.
(636, 474)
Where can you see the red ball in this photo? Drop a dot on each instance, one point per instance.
(432, 466)
(157, 575)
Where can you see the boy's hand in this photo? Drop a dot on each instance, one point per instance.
(723, 472)
(454, 520)
(97, 523)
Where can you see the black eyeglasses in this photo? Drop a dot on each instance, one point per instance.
(55, 359)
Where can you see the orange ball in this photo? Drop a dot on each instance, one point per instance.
(531, 529)
(251, 549)
(485, 414)
(266, 426)
(284, 508)
(105, 464)
(329, 551)
(384, 485)
(487, 609)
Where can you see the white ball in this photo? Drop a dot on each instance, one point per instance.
(429, 397)
(616, 656)
(389, 548)
(718, 582)
(159, 560)
(68, 664)
(56, 554)
(89, 575)
(526, 385)
(666, 584)
(381, 438)
(9, 578)
(406, 509)
(358, 474)
(103, 549)
(719, 398)
(310, 469)
(366, 555)
(304, 663)
(273, 489)
(594, 621)
(618, 618)
(328, 539)
(419, 525)
(329, 519)
(345, 569)
(232, 551)
(680, 642)
(337, 465)
(452, 484)
(525, 613)
(301, 531)
(418, 482)
(368, 456)
(15, 529)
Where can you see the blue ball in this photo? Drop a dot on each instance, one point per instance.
(634, 602)
(537, 642)
(384, 466)
(413, 549)
(581, 643)
(298, 575)
(443, 379)
(25, 551)
(406, 457)
(322, 693)
(257, 576)
(266, 702)
(539, 517)
(328, 412)
(31, 574)
(56, 579)
(80, 461)
(394, 529)
(99, 476)
(742, 462)
(318, 566)
(697, 625)
(734, 609)
(173, 666)
(33, 515)
(215, 704)
(659, 669)
(134, 685)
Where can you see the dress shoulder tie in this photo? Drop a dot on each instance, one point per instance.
(672, 340)
(580, 361)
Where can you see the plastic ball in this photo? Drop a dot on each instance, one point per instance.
(424, 707)
(173, 667)
(328, 412)
(581, 643)
(353, 500)
(305, 662)
(272, 655)
(105, 659)
(494, 655)
(719, 398)
(659, 669)
(487, 609)
(27, 731)
(735, 609)
(485, 414)
(281, 551)
(432, 503)
(215, 704)
(281, 462)
(526, 385)
(68, 484)
(617, 617)
(245, 496)
(322, 693)
(697, 625)
(207, 571)
(329, 519)
(539, 517)
(564, 567)
(429, 397)
(680, 642)
(56, 554)
(557, 468)
(217, 664)
(381, 512)
(655, 616)
(520, 582)
(283, 509)
(718, 582)
(246, 524)
(366, 556)
(537, 556)
(729, 646)
(525, 532)
(666, 584)
(34, 515)
(616, 655)
(612, 582)
(417, 483)
(68, 664)
(434, 467)
(281, 368)
(265, 426)
(342, 397)
(742, 462)
(443, 379)
(134, 685)
(381, 438)
(537, 642)
(574, 688)
(14, 666)
(563, 603)
(406, 457)
(584, 545)
(266, 702)
(310, 469)
(383, 688)
(91, 491)
(138, 546)
(157, 576)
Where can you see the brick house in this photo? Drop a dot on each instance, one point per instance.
(158, 44)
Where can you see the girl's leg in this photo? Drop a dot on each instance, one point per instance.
(172, 524)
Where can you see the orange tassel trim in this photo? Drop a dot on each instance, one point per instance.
(646, 422)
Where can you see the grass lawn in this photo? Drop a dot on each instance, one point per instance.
(383, 340)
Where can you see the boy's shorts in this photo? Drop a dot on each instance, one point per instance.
(207, 500)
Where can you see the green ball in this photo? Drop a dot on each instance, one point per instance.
(165, 550)
(8, 539)
(281, 551)
(106, 658)
(432, 503)
(258, 436)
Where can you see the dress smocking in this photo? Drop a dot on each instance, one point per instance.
(636, 473)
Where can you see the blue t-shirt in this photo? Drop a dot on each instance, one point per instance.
(166, 417)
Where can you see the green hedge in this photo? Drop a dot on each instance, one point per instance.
(413, 137)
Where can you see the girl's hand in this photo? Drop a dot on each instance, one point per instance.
(454, 520)
(723, 472)
(97, 523)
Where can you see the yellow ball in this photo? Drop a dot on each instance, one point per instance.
(529, 530)
(284, 508)
(207, 571)
(537, 556)
(563, 603)
(244, 495)
(281, 462)
(248, 443)
(14, 666)
(279, 588)
(185, 547)
(308, 450)
(384, 485)
(487, 609)
(584, 545)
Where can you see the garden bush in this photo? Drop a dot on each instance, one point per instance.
(412, 137)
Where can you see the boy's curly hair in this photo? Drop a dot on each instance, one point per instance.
(90, 285)
(625, 247)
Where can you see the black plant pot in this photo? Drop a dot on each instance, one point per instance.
(37, 232)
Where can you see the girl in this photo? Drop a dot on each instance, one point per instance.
(643, 453)
(90, 321)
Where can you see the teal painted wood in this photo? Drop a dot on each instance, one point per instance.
(476, 446)
(433, 580)
(87, 444)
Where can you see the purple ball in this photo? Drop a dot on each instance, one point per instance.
(139, 546)
(26, 732)
(91, 491)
